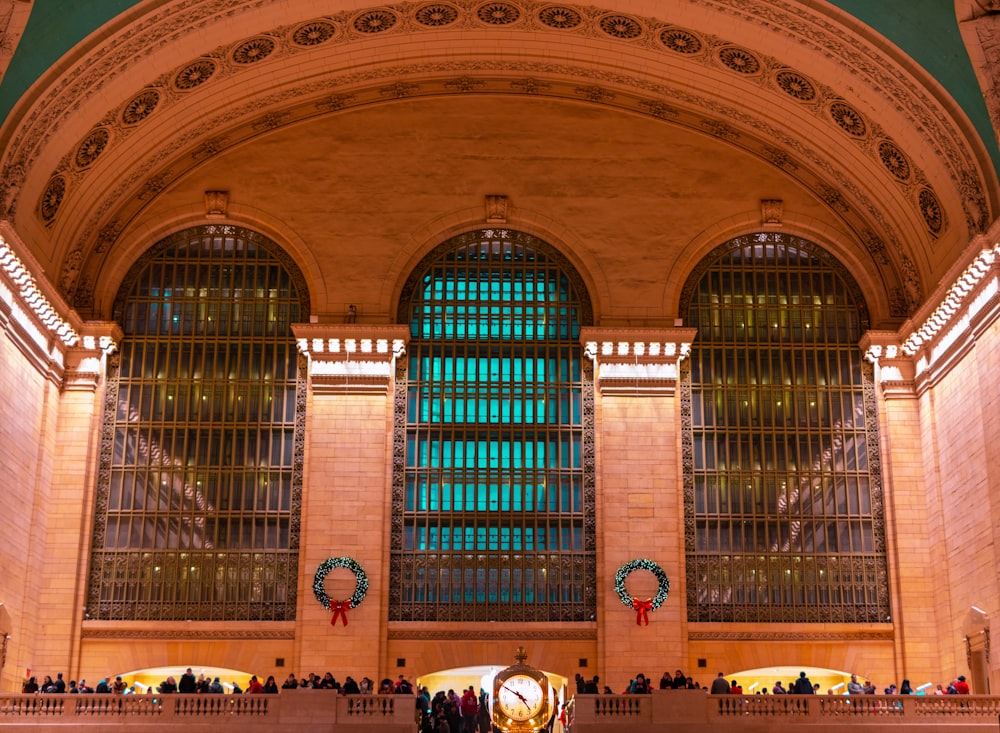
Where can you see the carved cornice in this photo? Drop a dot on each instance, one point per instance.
(912, 360)
(127, 634)
(566, 633)
(38, 322)
(638, 362)
(349, 358)
(796, 636)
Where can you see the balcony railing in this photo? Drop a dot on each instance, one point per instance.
(296, 709)
(670, 711)
(692, 711)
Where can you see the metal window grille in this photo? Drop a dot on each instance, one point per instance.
(783, 494)
(493, 494)
(200, 479)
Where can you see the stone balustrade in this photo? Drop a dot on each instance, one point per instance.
(680, 711)
(312, 710)
(691, 711)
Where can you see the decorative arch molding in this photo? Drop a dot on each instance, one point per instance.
(850, 198)
(871, 281)
(979, 24)
(96, 291)
(429, 237)
(101, 143)
(137, 267)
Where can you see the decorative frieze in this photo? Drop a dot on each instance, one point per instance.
(637, 362)
(348, 358)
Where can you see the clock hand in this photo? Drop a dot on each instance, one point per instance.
(511, 689)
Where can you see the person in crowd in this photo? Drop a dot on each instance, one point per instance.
(118, 686)
(59, 683)
(719, 685)
(403, 686)
(187, 685)
(254, 687)
(961, 686)
(803, 686)
(365, 686)
(453, 713)
(581, 684)
(270, 686)
(854, 687)
(103, 688)
(905, 689)
(350, 687)
(735, 688)
(237, 690)
(202, 684)
(73, 689)
(778, 689)
(891, 689)
(666, 681)
(30, 686)
(84, 688)
(485, 723)
(592, 686)
(869, 687)
(641, 686)
(290, 683)
(216, 687)
(469, 707)
(168, 686)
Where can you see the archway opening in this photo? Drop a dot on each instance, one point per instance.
(762, 680)
(146, 681)
(481, 679)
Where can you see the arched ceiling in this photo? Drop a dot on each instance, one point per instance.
(633, 131)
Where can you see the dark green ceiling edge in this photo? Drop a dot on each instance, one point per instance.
(926, 30)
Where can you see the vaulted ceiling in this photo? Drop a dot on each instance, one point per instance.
(633, 131)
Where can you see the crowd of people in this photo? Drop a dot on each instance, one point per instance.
(642, 684)
(58, 685)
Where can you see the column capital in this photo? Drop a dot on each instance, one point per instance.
(637, 361)
(350, 358)
(895, 370)
(86, 361)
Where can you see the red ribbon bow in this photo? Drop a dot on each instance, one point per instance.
(642, 609)
(339, 609)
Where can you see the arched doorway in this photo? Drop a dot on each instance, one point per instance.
(481, 678)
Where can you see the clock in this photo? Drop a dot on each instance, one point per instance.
(520, 697)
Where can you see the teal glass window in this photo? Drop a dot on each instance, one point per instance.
(198, 491)
(783, 493)
(494, 500)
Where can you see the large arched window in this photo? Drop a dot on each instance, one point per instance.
(493, 494)
(199, 489)
(783, 494)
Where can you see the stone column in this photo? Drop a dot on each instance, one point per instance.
(70, 501)
(346, 493)
(912, 526)
(640, 507)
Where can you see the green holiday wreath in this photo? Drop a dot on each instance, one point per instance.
(642, 564)
(360, 589)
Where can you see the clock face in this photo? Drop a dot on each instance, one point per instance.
(520, 697)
